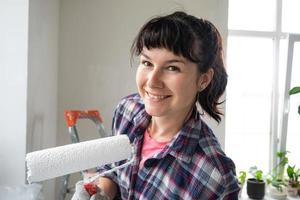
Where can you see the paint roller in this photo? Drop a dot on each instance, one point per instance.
(58, 161)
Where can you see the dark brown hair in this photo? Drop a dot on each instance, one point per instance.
(195, 39)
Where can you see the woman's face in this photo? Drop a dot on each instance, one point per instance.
(167, 83)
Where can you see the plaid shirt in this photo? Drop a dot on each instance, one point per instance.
(191, 166)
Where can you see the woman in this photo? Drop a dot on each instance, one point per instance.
(178, 156)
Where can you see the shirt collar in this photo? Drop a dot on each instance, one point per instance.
(183, 145)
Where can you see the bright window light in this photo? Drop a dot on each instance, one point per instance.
(290, 16)
(248, 101)
(256, 66)
(252, 15)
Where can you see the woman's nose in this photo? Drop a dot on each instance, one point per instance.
(155, 79)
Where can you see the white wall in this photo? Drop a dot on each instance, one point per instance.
(42, 79)
(13, 86)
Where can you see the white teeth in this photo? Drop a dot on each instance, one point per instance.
(156, 96)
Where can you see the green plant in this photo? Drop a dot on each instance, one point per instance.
(276, 178)
(256, 173)
(277, 183)
(295, 90)
(242, 177)
(293, 175)
(279, 169)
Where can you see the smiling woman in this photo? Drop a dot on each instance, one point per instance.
(77, 58)
(168, 85)
(178, 155)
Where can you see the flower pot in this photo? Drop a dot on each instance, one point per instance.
(292, 191)
(276, 194)
(255, 188)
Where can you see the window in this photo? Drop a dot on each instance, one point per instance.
(253, 15)
(290, 16)
(256, 65)
(247, 101)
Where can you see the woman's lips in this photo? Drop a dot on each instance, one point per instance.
(156, 97)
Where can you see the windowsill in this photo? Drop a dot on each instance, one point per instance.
(245, 197)
(269, 198)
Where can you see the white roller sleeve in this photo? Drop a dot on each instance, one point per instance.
(59, 161)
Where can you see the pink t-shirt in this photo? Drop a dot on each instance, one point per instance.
(150, 147)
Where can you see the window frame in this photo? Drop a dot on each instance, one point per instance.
(277, 134)
(292, 39)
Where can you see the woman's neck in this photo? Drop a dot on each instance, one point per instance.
(165, 128)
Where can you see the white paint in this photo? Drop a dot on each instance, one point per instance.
(66, 159)
(42, 79)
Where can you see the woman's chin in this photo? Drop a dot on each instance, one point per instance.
(154, 112)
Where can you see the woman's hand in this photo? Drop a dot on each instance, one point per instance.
(88, 192)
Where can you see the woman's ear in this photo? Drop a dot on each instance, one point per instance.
(205, 79)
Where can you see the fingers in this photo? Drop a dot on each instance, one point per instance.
(98, 196)
(80, 192)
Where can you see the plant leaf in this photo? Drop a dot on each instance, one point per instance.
(290, 171)
(299, 109)
(294, 90)
(258, 175)
(242, 177)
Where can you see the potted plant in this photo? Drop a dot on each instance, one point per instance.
(277, 185)
(293, 182)
(242, 179)
(280, 168)
(277, 189)
(256, 185)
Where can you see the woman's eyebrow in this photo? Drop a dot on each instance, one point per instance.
(168, 61)
(176, 60)
(143, 54)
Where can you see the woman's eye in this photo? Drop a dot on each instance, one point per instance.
(146, 63)
(173, 68)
